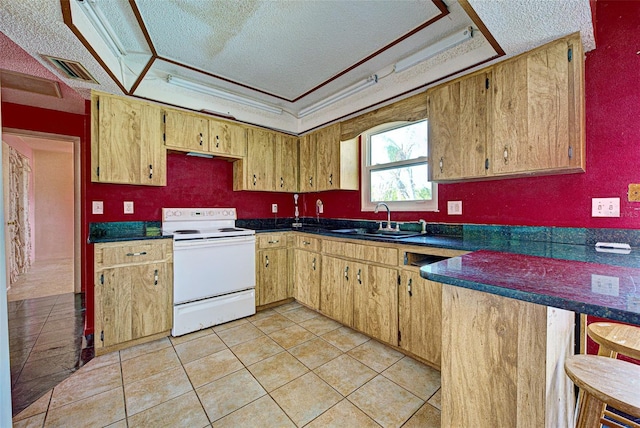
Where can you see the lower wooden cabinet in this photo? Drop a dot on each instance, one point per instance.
(273, 282)
(306, 276)
(420, 317)
(133, 292)
(375, 302)
(336, 295)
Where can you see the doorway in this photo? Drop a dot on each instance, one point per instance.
(41, 194)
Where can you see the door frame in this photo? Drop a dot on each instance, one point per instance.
(77, 183)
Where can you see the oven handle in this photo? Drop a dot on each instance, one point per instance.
(213, 242)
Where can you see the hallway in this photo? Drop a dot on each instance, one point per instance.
(44, 278)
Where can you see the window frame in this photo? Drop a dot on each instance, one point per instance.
(365, 176)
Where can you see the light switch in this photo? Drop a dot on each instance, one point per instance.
(128, 207)
(274, 208)
(605, 207)
(454, 207)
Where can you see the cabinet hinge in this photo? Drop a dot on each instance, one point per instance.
(570, 152)
(486, 163)
(164, 137)
(399, 337)
(570, 54)
(102, 279)
(98, 105)
(98, 171)
(102, 336)
(399, 280)
(164, 118)
(486, 83)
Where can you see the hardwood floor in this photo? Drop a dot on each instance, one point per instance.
(44, 278)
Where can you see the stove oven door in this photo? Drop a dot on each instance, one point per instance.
(211, 267)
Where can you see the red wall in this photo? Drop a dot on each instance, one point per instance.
(613, 156)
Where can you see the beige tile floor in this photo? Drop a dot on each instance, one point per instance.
(283, 367)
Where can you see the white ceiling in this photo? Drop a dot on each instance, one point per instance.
(287, 54)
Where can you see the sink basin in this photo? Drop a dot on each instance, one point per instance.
(390, 234)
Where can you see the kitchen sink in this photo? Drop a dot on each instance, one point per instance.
(380, 233)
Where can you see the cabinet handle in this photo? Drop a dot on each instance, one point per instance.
(359, 277)
(310, 181)
(266, 264)
(346, 273)
(150, 171)
(306, 243)
(441, 164)
(155, 277)
(281, 182)
(313, 263)
(141, 253)
(255, 179)
(273, 242)
(217, 141)
(409, 287)
(505, 154)
(201, 138)
(331, 179)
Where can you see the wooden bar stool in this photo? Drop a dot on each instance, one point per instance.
(615, 338)
(604, 381)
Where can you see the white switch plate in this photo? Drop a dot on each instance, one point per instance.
(605, 207)
(454, 207)
(274, 208)
(607, 285)
(128, 207)
(97, 207)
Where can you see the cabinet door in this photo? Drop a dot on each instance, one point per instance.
(336, 293)
(375, 302)
(534, 109)
(458, 128)
(152, 299)
(127, 142)
(308, 156)
(186, 131)
(112, 307)
(328, 157)
(260, 160)
(286, 164)
(273, 275)
(226, 138)
(420, 316)
(306, 271)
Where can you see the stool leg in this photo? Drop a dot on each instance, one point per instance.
(590, 411)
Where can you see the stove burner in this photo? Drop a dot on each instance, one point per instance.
(230, 229)
(186, 232)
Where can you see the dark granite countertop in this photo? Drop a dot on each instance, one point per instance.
(597, 289)
(125, 231)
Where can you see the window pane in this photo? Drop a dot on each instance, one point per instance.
(407, 142)
(401, 184)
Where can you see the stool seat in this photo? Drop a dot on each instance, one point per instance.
(618, 338)
(613, 382)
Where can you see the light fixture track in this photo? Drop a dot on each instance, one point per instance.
(432, 50)
(344, 93)
(102, 26)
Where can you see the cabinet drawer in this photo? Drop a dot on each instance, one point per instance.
(308, 243)
(271, 240)
(369, 253)
(130, 253)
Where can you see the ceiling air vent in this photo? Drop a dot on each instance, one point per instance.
(71, 69)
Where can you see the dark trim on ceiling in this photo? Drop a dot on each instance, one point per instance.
(143, 74)
(143, 28)
(65, 5)
(483, 28)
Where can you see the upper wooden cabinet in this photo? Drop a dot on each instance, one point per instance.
(458, 131)
(538, 113)
(522, 116)
(186, 131)
(126, 141)
(257, 170)
(308, 162)
(226, 138)
(286, 163)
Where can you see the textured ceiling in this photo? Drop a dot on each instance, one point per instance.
(288, 54)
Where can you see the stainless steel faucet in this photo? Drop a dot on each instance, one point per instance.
(388, 214)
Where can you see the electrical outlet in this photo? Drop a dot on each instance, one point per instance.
(606, 285)
(605, 207)
(274, 208)
(128, 207)
(97, 207)
(454, 207)
(634, 192)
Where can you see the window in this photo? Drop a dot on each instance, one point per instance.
(395, 168)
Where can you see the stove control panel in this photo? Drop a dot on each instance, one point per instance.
(188, 214)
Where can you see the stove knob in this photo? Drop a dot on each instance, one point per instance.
(178, 213)
(211, 213)
(226, 213)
